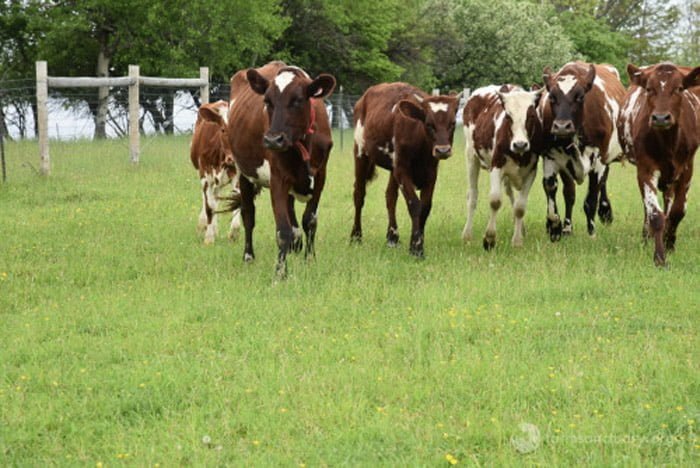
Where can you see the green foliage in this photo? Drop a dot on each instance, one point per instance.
(126, 342)
(494, 41)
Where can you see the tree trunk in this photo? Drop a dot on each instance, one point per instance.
(102, 96)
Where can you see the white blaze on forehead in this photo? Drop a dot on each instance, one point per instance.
(438, 106)
(663, 85)
(283, 79)
(566, 83)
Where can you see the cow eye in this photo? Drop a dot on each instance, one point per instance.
(679, 89)
(268, 103)
(579, 98)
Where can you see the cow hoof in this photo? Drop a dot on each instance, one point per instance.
(591, 230)
(517, 243)
(208, 240)
(281, 271)
(605, 214)
(248, 257)
(356, 238)
(297, 245)
(466, 235)
(233, 235)
(489, 243)
(660, 259)
(417, 252)
(392, 238)
(392, 244)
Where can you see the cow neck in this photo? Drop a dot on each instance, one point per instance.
(305, 155)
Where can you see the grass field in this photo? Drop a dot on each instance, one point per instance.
(125, 341)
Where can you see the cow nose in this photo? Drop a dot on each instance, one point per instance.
(442, 151)
(520, 146)
(661, 120)
(563, 127)
(228, 160)
(274, 142)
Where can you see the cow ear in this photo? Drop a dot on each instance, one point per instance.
(258, 82)
(692, 78)
(321, 87)
(590, 78)
(210, 113)
(537, 93)
(636, 76)
(411, 110)
(547, 78)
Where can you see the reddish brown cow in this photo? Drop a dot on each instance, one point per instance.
(211, 155)
(400, 128)
(578, 116)
(280, 137)
(660, 128)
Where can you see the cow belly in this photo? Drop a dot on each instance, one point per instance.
(575, 166)
(260, 176)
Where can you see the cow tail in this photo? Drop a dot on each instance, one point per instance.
(230, 203)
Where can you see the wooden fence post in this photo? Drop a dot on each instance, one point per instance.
(134, 112)
(42, 96)
(204, 89)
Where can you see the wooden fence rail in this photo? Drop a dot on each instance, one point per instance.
(134, 81)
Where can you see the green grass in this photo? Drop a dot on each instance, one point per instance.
(124, 340)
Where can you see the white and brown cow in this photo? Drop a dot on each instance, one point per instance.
(503, 136)
(211, 155)
(579, 114)
(400, 128)
(279, 134)
(660, 129)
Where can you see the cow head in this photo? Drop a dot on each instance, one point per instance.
(438, 115)
(664, 85)
(217, 113)
(519, 106)
(288, 103)
(566, 95)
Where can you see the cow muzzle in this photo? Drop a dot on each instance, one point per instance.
(661, 121)
(442, 151)
(276, 142)
(563, 128)
(519, 147)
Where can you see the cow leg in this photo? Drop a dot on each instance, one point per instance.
(211, 192)
(605, 213)
(310, 219)
(495, 196)
(279, 193)
(202, 219)
(413, 204)
(426, 202)
(519, 208)
(648, 186)
(569, 190)
(677, 210)
(363, 170)
(298, 240)
(589, 206)
(549, 182)
(392, 195)
(473, 167)
(248, 216)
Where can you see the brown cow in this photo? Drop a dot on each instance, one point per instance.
(579, 114)
(503, 136)
(660, 128)
(211, 155)
(280, 137)
(400, 128)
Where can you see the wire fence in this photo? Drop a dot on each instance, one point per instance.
(162, 110)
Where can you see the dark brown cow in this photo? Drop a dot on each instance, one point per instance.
(280, 137)
(578, 116)
(660, 128)
(211, 155)
(502, 135)
(400, 128)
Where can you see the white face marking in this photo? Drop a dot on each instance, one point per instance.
(516, 105)
(283, 79)
(438, 106)
(566, 83)
(359, 138)
(663, 85)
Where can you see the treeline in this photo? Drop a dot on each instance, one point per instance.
(449, 44)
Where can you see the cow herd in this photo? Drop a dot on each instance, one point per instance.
(274, 133)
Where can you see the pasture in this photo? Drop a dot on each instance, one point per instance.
(125, 341)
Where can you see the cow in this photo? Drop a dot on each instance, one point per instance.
(659, 127)
(279, 134)
(401, 129)
(212, 157)
(579, 113)
(503, 136)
